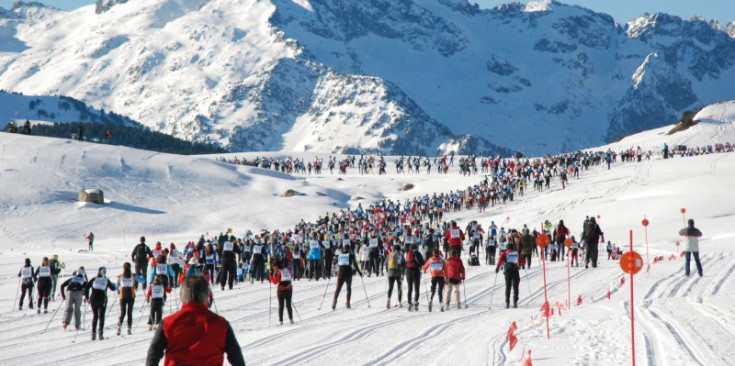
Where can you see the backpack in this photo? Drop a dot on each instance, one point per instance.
(392, 261)
(411, 261)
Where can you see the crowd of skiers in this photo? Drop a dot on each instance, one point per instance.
(401, 241)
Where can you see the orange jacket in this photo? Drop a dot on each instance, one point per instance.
(438, 267)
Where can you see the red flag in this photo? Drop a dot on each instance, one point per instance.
(579, 300)
(673, 257)
(682, 254)
(622, 281)
(513, 327)
(608, 294)
(545, 309)
(513, 341)
(527, 360)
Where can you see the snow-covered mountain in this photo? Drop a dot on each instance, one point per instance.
(391, 76)
(54, 109)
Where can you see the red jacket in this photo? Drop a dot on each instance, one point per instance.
(455, 237)
(196, 336)
(276, 279)
(455, 269)
(435, 271)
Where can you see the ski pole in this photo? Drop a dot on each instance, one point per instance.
(140, 315)
(492, 294)
(17, 291)
(325, 293)
(294, 309)
(464, 289)
(365, 289)
(111, 306)
(52, 317)
(270, 300)
(84, 313)
(426, 291)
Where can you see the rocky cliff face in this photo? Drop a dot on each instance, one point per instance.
(399, 77)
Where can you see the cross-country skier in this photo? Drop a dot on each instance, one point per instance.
(438, 274)
(28, 279)
(455, 275)
(98, 300)
(126, 288)
(346, 261)
(282, 277)
(141, 254)
(76, 285)
(396, 265)
(692, 246)
(43, 284)
(511, 261)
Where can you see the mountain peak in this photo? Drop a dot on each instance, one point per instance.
(104, 5)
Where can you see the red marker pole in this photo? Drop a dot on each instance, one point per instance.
(632, 309)
(645, 229)
(546, 297)
(684, 215)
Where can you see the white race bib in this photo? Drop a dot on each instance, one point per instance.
(285, 275)
(454, 233)
(512, 257)
(297, 254)
(157, 291)
(26, 272)
(100, 283)
(343, 260)
(373, 242)
(409, 240)
(162, 269)
(126, 281)
(227, 246)
(257, 249)
(44, 271)
(346, 242)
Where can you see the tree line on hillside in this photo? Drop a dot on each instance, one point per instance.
(116, 134)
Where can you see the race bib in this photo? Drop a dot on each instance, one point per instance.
(162, 269)
(512, 257)
(285, 275)
(126, 281)
(297, 254)
(100, 283)
(44, 271)
(373, 242)
(436, 266)
(346, 242)
(77, 280)
(227, 246)
(454, 233)
(343, 260)
(575, 245)
(157, 292)
(26, 272)
(257, 249)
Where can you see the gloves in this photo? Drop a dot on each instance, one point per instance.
(497, 270)
(147, 300)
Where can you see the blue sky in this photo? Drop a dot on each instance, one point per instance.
(621, 10)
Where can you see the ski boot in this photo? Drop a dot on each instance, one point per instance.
(416, 306)
(442, 308)
(387, 305)
(119, 329)
(430, 305)
(102, 337)
(94, 336)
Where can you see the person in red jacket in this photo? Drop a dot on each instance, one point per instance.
(282, 277)
(455, 276)
(512, 261)
(438, 273)
(194, 335)
(455, 236)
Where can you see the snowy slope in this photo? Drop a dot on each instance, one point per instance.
(401, 77)
(171, 198)
(19, 107)
(716, 126)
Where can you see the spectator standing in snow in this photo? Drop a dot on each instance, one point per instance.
(692, 246)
